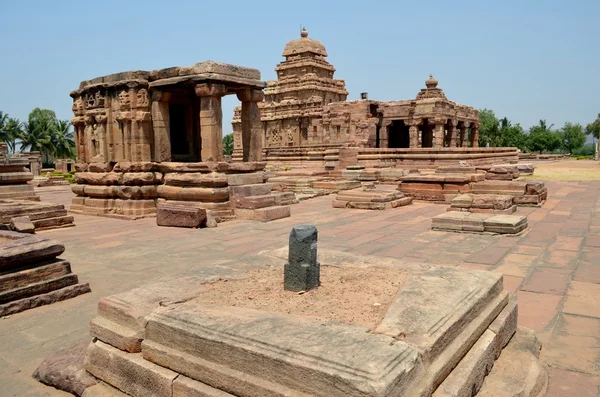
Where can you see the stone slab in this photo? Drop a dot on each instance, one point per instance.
(64, 370)
(128, 372)
(184, 339)
(179, 216)
(272, 213)
(187, 387)
(41, 271)
(44, 299)
(22, 224)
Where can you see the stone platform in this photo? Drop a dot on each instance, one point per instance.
(132, 190)
(440, 336)
(484, 203)
(439, 187)
(370, 198)
(459, 221)
(525, 192)
(31, 274)
(43, 215)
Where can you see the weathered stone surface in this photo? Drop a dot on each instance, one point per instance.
(213, 179)
(180, 216)
(466, 379)
(181, 340)
(186, 387)
(44, 299)
(245, 179)
(251, 190)
(211, 219)
(253, 202)
(121, 317)
(302, 272)
(272, 213)
(102, 390)
(127, 166)
(517, 372)
(22, 224)
(193, 193)
(128, 372)
(25, 249)
(64, 370)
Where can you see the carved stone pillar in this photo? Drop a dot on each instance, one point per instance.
(211, 121)
(78, 132)
(142, 136)
(384, 134)
(251, 125)
(438, 134)
(102, 154)
(452, 133)
(463, 133)
(413, 133)
(475, 135)
(88, 138)
(160, 125)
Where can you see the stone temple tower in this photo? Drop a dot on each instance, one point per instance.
(292, 111)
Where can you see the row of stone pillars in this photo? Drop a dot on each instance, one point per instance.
(211, 122)
(445, 134)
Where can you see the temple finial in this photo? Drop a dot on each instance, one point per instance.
(303, 33)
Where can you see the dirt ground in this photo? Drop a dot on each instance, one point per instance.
(566, 170)
(350, 295)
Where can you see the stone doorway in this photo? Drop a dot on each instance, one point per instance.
(426, 134)
(398, 135)
(184, 130)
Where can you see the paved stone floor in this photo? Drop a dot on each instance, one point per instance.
(554, 269)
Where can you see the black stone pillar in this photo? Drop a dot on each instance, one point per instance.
(302, 272)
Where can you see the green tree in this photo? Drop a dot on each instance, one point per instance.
(13, 131)
(63, 140)
(37, 136)
(512, 135)
(228, 144)
(489, 128)
(593, 129)
(542, 138)
(572, 137)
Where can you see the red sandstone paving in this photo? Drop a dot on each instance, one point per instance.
(563, 383)
(554, 268)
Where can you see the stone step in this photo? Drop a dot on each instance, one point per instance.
(128, 372)
(43, 271)
(517, 372)
(254, 202)
(260, 189)
(38, 288)
(468, 376)
(116, 335)
(58, 295)
(53, 223)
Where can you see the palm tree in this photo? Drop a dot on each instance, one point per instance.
(37, 136)
(14, 130)
(63, 140)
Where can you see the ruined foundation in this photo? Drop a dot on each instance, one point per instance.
(44, 216)
(168, 339)
(31, 274)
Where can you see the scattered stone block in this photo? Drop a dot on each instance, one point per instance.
(479, 222)
(22, 224)
(370, 198)
(212, 219)
(272, 213)
(526, 168)
(484, 203)
(64, 370)
(180, 216)
(302, 272)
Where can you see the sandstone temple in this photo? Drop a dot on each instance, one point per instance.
(306, 110)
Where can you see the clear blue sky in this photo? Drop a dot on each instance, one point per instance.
(526, 60)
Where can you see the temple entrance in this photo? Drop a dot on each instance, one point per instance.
(184, 131)
(398, 135)
(426, 134)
